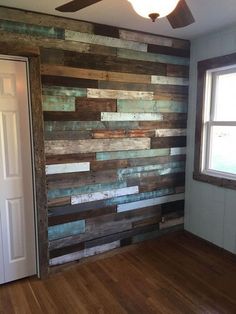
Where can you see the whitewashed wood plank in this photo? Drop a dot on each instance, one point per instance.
(120, 116)
(170, 132)
(85, 253)
(103, 195)
(68, 168)
(149, 39)
(166, 80)
(105, 41)
(178, 151)
(171, 223)
(95, 145)
(150, 202)
(119, 94)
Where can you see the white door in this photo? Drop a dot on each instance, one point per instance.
(17, 230)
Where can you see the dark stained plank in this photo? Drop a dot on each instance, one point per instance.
(169, 50)
(64, 214)
(51, 80)
(62, 159)
(165, 142)
(70, 180)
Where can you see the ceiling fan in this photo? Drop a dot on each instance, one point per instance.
(177, 11)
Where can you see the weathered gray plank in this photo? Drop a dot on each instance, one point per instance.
(118, 94)
(95, 145)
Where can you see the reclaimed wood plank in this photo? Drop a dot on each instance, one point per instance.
(79, 199)
(168, 50)
(168, 142)
(59, 215)
(67, 135)
(154, 39)
(150, 202)
(103, 40)
(71, 82)
(170, 132)
(95, 145)
(58, 103)
(53, 126)
(132, 154)
(69, 158)
(120, 116)
(151, 57)
(112, 63)
(72, 116)
(177, 151)
(95, 105)
(171, 223)
(32, 29)
(157, 79)
(171, 124)
(92, 188)
(58, 70)
(67, 168)
(23, 16)
(118, 94)
(64, 91)
(66, 230)
(145, 106)
(123, 133)
(85, 253)
(71, 180)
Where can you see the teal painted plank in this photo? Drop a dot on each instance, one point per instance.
(66, 230)
(53, 126)
(133, 154)
(57, 193)
(148, 168)
(158, 106)
(139, 197)
(153, 57)
(58, 103)
(31, 29)
(64, 91)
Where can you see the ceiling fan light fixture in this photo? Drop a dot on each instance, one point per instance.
(153, 8)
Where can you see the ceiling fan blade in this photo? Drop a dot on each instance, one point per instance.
(76, 5)
(181, 16)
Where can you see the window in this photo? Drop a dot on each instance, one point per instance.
(215, 155)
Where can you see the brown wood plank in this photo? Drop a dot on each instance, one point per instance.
(65, 214)
(95, 105)
(63, 159)
(174, 124)
(52, 80)
(102, 62)
(72, 116)
(166, 142)
(169, 50)
(80, 179)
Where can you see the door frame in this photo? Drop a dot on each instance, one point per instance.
(38, 157)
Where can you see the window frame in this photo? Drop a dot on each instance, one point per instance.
(207, 73)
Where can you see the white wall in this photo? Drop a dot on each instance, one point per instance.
(210, 211)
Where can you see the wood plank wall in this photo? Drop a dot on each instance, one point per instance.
(115, 104)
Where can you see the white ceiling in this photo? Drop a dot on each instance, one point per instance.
(210, 15)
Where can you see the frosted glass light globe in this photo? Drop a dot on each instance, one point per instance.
(146, 7)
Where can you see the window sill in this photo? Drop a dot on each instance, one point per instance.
(221, 182)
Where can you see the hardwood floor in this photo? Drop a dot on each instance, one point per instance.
(177, 273)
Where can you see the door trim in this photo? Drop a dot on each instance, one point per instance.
(38, 158)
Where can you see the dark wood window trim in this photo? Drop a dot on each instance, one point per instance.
(203, 67)
(33, 55)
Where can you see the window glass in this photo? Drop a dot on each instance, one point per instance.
(222, 155)
(225, 97)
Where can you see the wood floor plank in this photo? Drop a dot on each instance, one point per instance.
(176, 273)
